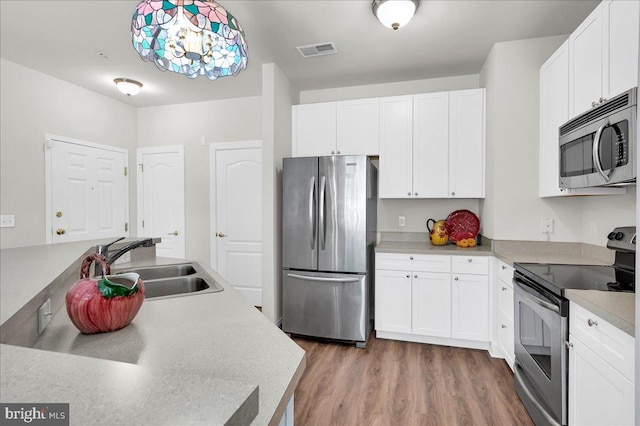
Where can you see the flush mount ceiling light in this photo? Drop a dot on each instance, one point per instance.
(190, 37)
(394, 13)
(127, 86)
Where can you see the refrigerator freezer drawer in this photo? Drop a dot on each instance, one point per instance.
(326, 305)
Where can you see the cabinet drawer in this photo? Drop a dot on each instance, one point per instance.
(603, 338)
(505, 272)
(505, 299)
(413, 262)
(477, 265)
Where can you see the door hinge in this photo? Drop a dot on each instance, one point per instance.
(126, 227)
(141, 168)
(126, 171)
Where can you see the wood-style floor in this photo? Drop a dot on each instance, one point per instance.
(403, 383)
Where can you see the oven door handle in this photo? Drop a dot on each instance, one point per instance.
(535, 298)
(596, 152)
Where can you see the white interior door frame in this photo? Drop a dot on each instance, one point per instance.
(48, 169)
(214, 148)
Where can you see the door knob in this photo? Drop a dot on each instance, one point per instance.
(176, 233)
(60, 231)
(58, 214)
(220, 234)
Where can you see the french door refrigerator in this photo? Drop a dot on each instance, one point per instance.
(329, 234)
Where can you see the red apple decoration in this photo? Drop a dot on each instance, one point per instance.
(98, 305)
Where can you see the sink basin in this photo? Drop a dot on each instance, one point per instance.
(175, 280)
(179, 285)
(168, 271)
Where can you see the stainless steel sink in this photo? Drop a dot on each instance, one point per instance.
(168, 271)
(175, 280)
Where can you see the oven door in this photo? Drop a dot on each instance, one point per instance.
(540, 370)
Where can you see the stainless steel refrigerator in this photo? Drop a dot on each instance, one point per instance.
(329, 234)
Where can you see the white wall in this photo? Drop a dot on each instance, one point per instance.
(512, 209)
(416, 212)
(278, 95)
(33, 104)
(227, 120)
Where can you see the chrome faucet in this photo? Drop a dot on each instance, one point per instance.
(103, 249)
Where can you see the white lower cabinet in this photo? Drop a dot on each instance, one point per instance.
(601, 371)
(426, 298)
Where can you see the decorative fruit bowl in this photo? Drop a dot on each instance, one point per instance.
(104, 304)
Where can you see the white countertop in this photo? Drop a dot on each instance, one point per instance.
(201, 356)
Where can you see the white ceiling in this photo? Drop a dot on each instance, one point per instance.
(445, 38)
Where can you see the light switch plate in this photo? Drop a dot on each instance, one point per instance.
(7, 221)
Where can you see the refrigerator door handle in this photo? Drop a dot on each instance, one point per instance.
(322, 225)
(312, 213)
(331, 280)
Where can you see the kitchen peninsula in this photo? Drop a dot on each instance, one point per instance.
(196, 359)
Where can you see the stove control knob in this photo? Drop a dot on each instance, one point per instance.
(619, 236)
(611, 235)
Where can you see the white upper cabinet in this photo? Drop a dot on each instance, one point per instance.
(335, 128)
(432, 145)
(466, 143)
(395, 174)
(603, 55)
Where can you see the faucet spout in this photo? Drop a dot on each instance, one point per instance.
(103, 249)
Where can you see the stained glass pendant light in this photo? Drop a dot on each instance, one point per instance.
(190, 37)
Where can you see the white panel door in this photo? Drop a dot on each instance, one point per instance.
(88, 192)
(623, 22)
(466, 143)
(431, 145)
(161, 208)
(470, 307)
(357, 131)
(431, 299)
(238, 218)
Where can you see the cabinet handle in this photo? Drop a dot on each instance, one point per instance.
(504, 268)
(592, 322)
(333, 152)
(453, 194)
(408, 276)
(415, 193)
(568, 345)
(409, 194)
(593, 104)
(504, 289)
(338, 152)
(469, 260)
(602, 100)
(415, 276)
(410, 257)
(504, 326)
(456, 279)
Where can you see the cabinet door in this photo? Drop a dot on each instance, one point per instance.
(314, 129)
(506, 338)
(396, 135)
(431, 145)
(470, 307)
(466, 143)
(357, 127)
(598, 393)
(431, 310)
(554, 112)
(586, 63)
(623, 22)
(393, 301)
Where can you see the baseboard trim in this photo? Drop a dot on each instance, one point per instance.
(459, 343)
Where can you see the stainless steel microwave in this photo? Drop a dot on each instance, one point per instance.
(597, 148)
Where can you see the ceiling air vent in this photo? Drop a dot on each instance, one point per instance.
(317, 49)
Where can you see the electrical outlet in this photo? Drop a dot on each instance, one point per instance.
(7, 221)
(400, 220)
(546, 225)
(44, 316)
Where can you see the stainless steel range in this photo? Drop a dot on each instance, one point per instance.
(542, 322)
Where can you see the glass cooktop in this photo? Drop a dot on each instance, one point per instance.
(558, 278)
